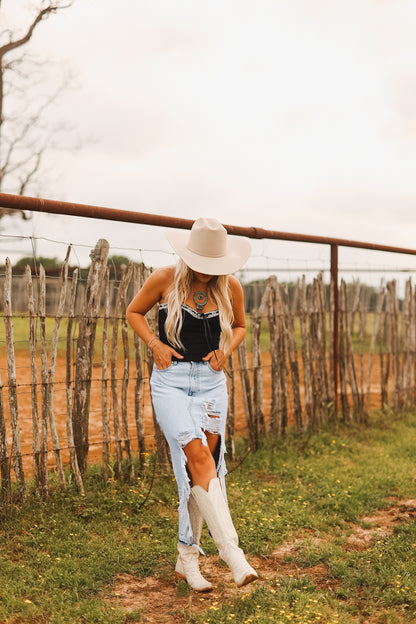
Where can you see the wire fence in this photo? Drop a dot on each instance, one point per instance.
(74, 386)
(75, 381)
(286, 260)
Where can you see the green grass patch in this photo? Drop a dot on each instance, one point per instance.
(59, 559)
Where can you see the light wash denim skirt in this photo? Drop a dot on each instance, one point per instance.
(189, 399)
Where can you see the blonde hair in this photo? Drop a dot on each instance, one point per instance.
(217, 289)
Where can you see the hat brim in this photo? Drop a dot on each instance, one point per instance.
(238, 252)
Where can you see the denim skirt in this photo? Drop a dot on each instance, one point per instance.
(189, 399)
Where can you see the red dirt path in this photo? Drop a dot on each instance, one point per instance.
(158, 598)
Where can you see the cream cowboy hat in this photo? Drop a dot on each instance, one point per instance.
(208, 249)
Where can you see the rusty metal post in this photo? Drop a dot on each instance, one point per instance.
(335, 320)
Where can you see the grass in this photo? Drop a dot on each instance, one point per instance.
(58, 559)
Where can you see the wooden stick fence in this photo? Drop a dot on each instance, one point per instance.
(284, 379)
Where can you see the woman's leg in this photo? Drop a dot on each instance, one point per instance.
(214, 509)
(201, 467)
(201, 464)
(187, 563)
(208, 494)
(183, 419)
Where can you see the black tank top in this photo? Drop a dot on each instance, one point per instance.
(200, 332)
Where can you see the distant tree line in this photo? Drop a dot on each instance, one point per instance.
(53, 266)
(253, 291)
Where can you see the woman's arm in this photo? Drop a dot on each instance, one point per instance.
(218, 358)
(153, 290)
(239, 326)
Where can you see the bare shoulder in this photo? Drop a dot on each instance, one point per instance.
(160, 280)
(237, 301)
(235, 286)
(153, 290)
(163, 275)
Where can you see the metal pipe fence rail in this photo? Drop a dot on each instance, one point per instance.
(88, 377)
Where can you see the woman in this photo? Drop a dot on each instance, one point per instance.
(201, 321)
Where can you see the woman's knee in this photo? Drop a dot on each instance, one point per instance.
(199, 456)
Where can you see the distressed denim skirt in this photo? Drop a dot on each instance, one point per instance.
(189, 399)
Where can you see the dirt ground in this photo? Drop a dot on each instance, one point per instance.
(161, 603)
(23, 380)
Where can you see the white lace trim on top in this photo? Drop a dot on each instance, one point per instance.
(188, 308)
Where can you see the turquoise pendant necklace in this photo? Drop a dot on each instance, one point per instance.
(200, 299)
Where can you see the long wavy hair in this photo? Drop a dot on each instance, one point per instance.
(217, 289)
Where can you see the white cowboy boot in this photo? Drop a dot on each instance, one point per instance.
(187, 564)
(215, 511)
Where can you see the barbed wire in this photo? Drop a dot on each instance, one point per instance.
(272, 263)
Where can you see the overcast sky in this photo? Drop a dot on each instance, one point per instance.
(292, 115)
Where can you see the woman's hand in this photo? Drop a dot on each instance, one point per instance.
(162, 354)
(216, 359)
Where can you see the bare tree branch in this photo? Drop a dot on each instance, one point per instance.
(12, 212)
(24, 137)
(24, 181)
(43, 14)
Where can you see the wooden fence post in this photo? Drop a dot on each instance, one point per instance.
(231, 409)
(114, 389)
(312, 341)
(385, 357)
(376, 330)
(85, 351)
(11, 368)
(306, 356)
(278, 411)
(51, 372)
(349, 353)
(282, 360)
(332, 365)
(314, 370)
(44, 382)
(124, 284)
(363, 312)
(69, 428)
(327, 399)
(413, 380)
(292, 349)
(247, 396)
(104, 379)
(257, 374)
(408, 344)
(120, 315)
(269, 299)
(37, 469)
(334, 327)
(4, 454)
(138, 280)
(396, 363)
(345, 407)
